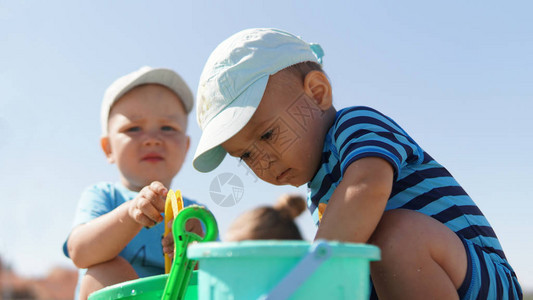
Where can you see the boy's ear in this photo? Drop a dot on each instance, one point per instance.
(317, 86)
(188, 143)
(106, 147)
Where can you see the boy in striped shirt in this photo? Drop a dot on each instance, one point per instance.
(263, 97)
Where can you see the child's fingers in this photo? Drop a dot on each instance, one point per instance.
(159, 188)
(149, 211)
(144, 204)
(170, 254)
(150, 203)
(168, 244)
(142, 219)
(168, 241)
(148, 193)
(195, 226)
(159, 195)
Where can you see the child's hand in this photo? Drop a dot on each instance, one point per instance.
(147, 207)
(192, 225)
(168, 242)
(195, 226)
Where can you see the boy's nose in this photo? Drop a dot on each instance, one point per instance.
(152, 139)
(268, 158)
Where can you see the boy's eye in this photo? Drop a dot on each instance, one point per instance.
(133, 129)
(167, 128)
(267, 135)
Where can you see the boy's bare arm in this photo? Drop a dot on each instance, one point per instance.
(103, 238)
(358, 202)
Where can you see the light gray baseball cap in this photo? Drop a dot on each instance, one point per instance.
(145, 75)
(233, 82)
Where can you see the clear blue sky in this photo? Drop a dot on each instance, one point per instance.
(457, 75)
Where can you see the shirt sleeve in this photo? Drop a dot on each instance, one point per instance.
(93, 203)
(364, 132)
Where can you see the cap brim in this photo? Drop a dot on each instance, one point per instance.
(209, 154)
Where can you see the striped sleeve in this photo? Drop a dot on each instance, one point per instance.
(364, 132)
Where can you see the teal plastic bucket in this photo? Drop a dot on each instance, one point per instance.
(283, 269)
(144, 288)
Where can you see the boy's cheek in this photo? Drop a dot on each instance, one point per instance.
(258, 169)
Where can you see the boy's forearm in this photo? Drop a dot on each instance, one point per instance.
(103, 238)
(358, 202)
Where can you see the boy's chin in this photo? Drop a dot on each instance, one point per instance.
(299, 184)
(147, 181)
(294, 183)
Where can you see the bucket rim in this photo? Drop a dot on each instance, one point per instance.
(137, 287)
(277, 248)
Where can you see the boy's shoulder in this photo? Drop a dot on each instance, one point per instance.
(357, 121)
(359, 115)
(110, 190)
(358, 110)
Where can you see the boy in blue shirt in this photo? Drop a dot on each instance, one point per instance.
(117, 231)
(263, 97)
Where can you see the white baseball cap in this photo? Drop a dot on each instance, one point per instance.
(145, 75)
(234, 80)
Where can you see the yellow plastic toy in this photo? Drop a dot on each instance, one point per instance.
(173, 205)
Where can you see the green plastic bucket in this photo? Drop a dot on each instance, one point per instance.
(283, 269)
(144, 288)
(182, 281)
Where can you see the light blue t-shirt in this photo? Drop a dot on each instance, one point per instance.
(144, 251)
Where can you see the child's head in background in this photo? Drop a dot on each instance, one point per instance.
(263, 97)
(144, 123)
(269, 222)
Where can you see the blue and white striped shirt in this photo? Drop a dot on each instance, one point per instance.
(420, 183)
